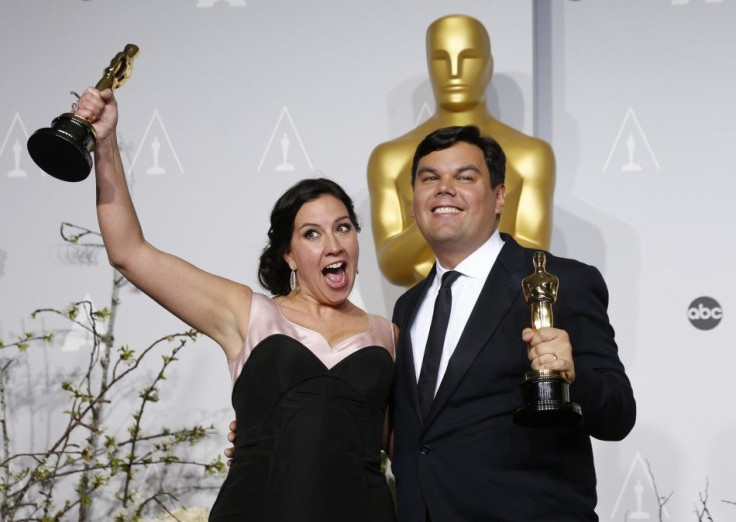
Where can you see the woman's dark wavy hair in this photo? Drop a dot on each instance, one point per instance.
(273, 271)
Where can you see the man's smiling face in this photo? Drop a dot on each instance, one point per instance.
(454, 204)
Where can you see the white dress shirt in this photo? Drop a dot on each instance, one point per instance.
(465, 291)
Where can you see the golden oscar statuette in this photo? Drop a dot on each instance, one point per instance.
(460, 67)
(546, 393)
(63, 150)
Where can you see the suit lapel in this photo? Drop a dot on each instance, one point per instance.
(409, 370)
(499, 292)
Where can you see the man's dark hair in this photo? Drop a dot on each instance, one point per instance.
(273, 271)
(448, 136)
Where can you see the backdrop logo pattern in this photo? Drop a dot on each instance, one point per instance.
(211, 3)
(687, 2)
(285, 132)
(638, 497)
(154, 147)
(631, 146)
(11, 163)
(705, 313)
(79, 336)
(424, 113)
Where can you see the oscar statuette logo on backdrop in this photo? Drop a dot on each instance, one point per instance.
(631, 151)
(156, 149)
(425, 113)
(12, 153)
(285, 151)
(79, 335)
(637, 498)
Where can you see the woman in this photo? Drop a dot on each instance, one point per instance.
(311, 371)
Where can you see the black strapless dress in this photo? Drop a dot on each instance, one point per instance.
(309, 438)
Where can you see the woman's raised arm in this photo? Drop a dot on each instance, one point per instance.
(216, 306)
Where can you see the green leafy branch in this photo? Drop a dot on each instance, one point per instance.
(103, 466)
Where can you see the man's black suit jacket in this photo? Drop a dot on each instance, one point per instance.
(469, 461)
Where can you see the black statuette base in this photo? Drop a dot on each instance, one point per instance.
(63, 150)
(546, 396)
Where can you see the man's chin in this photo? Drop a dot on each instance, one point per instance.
(443, 241)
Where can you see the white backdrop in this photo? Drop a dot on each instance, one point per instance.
(641, 116)
(634, 97)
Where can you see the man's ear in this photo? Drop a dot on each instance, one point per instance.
(500, 191)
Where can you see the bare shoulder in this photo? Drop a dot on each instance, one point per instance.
(384, 333)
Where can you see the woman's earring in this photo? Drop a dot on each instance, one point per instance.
(292, 279)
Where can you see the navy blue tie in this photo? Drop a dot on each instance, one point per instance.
(436, 340)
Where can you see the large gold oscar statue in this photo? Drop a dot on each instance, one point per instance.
(460, 69)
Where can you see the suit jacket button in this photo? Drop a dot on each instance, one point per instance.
(424, 449)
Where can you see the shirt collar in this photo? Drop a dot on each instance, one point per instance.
(478, 264)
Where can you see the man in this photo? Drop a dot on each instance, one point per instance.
(459, 456)
(460, 66)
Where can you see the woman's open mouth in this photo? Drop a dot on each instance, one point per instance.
(335, 274)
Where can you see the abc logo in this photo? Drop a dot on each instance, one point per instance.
(705, 313)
